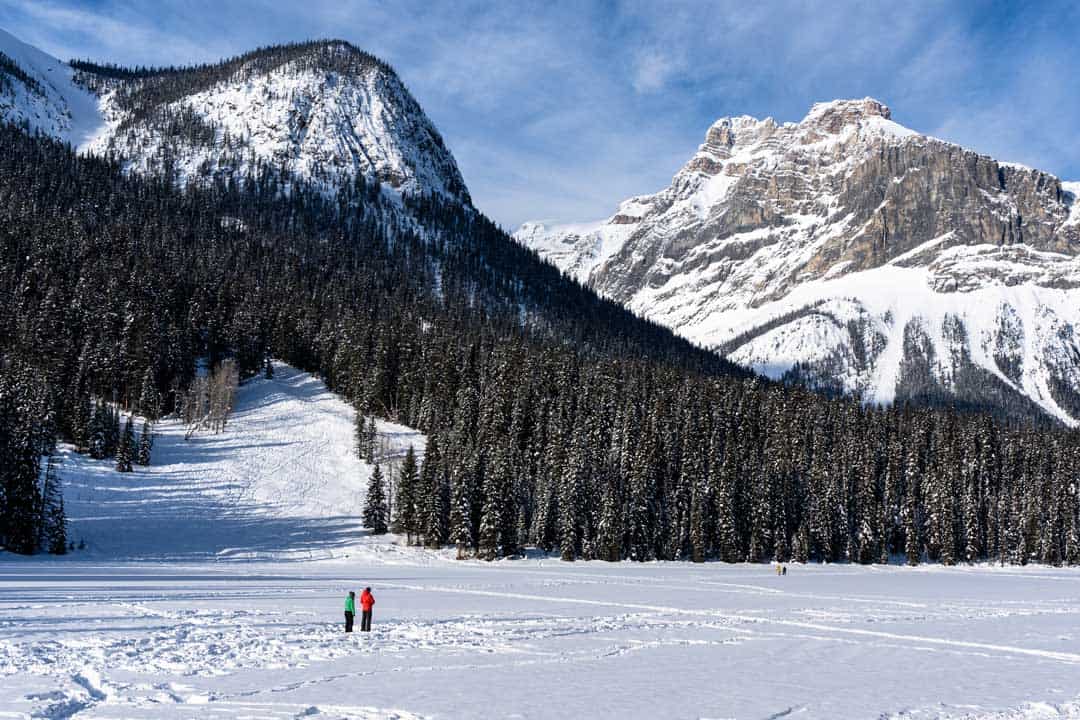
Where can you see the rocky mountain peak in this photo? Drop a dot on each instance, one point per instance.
(834, 116)
(857, 254)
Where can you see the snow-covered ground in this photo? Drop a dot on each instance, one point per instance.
(213, 582)
(538, 639)
(282, 481)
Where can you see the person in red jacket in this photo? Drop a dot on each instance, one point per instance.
(367, 601)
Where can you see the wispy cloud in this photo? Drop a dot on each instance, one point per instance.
(559, 110)
(652, 70)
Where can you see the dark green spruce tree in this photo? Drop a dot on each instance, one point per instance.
(126, 449)
(146, 444)
(406, 500)
(375, 510)
(53, 519)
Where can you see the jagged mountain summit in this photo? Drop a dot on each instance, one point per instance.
(855, 254)
(323, 112)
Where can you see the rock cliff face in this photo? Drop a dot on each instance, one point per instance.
(835, 248)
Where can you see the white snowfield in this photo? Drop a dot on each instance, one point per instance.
(536, 639)
(213, 587)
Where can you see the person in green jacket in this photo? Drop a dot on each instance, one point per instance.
(350, 610)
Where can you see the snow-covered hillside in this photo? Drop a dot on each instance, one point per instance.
(282, 481)
(38, 90)
(324, 112)
(878, 260)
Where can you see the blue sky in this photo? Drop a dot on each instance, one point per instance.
(557, 111)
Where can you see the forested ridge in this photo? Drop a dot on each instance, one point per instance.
(555, 418)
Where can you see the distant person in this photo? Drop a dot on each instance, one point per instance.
(785, 570)
(367, 601)
(350, 610)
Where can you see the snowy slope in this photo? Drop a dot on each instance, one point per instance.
(52, 103)
(327, 114)
(324, 115)
(283, 480)
(790, 245)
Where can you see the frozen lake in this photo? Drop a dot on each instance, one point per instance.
(535, 639)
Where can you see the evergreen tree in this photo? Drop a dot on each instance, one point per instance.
(405, 504)
(126, 449)
(112, 430)
(149, 405)
(82, 417)
(375, 511)
(371, 444)
(460, 531)
(146, 443)
(99, 432)
(360, 434)
(433, 510)
(53, 520)
(20, 499)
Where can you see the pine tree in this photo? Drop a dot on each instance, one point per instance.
(99, 432)
(460, 530)
(371, 444)
(112, 431)
(801, 550)
(53, 520)
(609, 532)
(433, 500)
(81, 420)
(149, 398)
(405, 504)
(146, 443)
(360, 436)
(697, 526)
(375, 513)
(125, 451)
(19, 470)
(495, 514)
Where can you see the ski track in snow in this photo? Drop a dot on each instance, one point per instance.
(283, 480)
(213, 582)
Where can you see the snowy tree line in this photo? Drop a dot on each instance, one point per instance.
(647, 463)
(145, 90)
(32, 516)
(10, 72)
(554, 417)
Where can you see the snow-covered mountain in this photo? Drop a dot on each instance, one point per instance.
(321, 111)
(39, 91)
(855, 254)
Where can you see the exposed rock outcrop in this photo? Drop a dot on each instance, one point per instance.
(849, 209)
